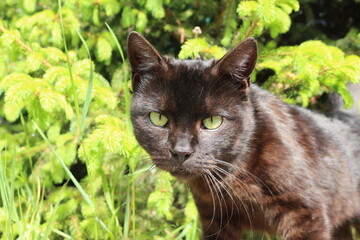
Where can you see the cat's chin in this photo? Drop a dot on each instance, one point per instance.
(182, 175)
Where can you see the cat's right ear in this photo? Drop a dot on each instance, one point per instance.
(239, 63)
(144, 58)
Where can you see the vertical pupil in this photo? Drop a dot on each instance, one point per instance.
(211, 119)
(159, 117)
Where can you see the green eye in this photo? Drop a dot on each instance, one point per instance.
(158, 119)
(212, 122)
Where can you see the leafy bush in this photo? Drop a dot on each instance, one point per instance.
(72, 171)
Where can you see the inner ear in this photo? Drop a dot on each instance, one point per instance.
(239, 63)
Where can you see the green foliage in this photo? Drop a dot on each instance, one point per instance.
(162, 198)
(110, 192)
(37, 96)
(301, 72)
(309, 70)
(44, 27)
(268, 14)
(110, 136)
(199, 47)
(156, 8)
(103, 50)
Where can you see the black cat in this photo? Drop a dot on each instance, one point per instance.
(251, 160)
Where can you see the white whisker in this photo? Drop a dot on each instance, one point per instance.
(227, 174)
(219, 197)
(212, 198)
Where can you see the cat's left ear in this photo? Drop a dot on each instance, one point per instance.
(144, 58)
(142, 55)
(239, 63)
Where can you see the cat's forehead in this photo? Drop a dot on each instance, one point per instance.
(181, 74)
(194, 64)
(187, 86)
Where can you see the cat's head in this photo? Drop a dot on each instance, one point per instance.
(192, 116)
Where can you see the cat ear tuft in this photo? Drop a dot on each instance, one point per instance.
(142, 55)
(238, 63)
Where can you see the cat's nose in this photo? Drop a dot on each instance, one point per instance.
(181, 148)
(181, 154)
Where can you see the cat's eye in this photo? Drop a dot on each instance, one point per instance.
(158, 119)
(212, 123)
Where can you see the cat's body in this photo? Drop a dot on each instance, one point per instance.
(310, 194)
(268, 166)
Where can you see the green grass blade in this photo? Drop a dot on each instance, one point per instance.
(106, 189)
(102, 224)
(127, 213)
(52, 217)
(172, 234)
(127, 106)
(90, 86)
(194, 230)
(126, 90)
(116, 42)
(7, 198)
(73, 87)
(73, 179)
(184, 232)
(62, 234)
(27, 137)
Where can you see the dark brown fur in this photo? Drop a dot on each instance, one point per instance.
(270, 167)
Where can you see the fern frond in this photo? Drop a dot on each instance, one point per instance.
(33, 61)
(268, 14)
(53, 55)
(314, 68)
(103, 50)
(109, 136)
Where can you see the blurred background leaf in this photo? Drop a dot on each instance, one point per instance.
(305, 53)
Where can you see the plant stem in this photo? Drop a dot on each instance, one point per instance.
(251, 29)
(73, 86)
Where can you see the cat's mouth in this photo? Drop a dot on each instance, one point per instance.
(177, 172)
